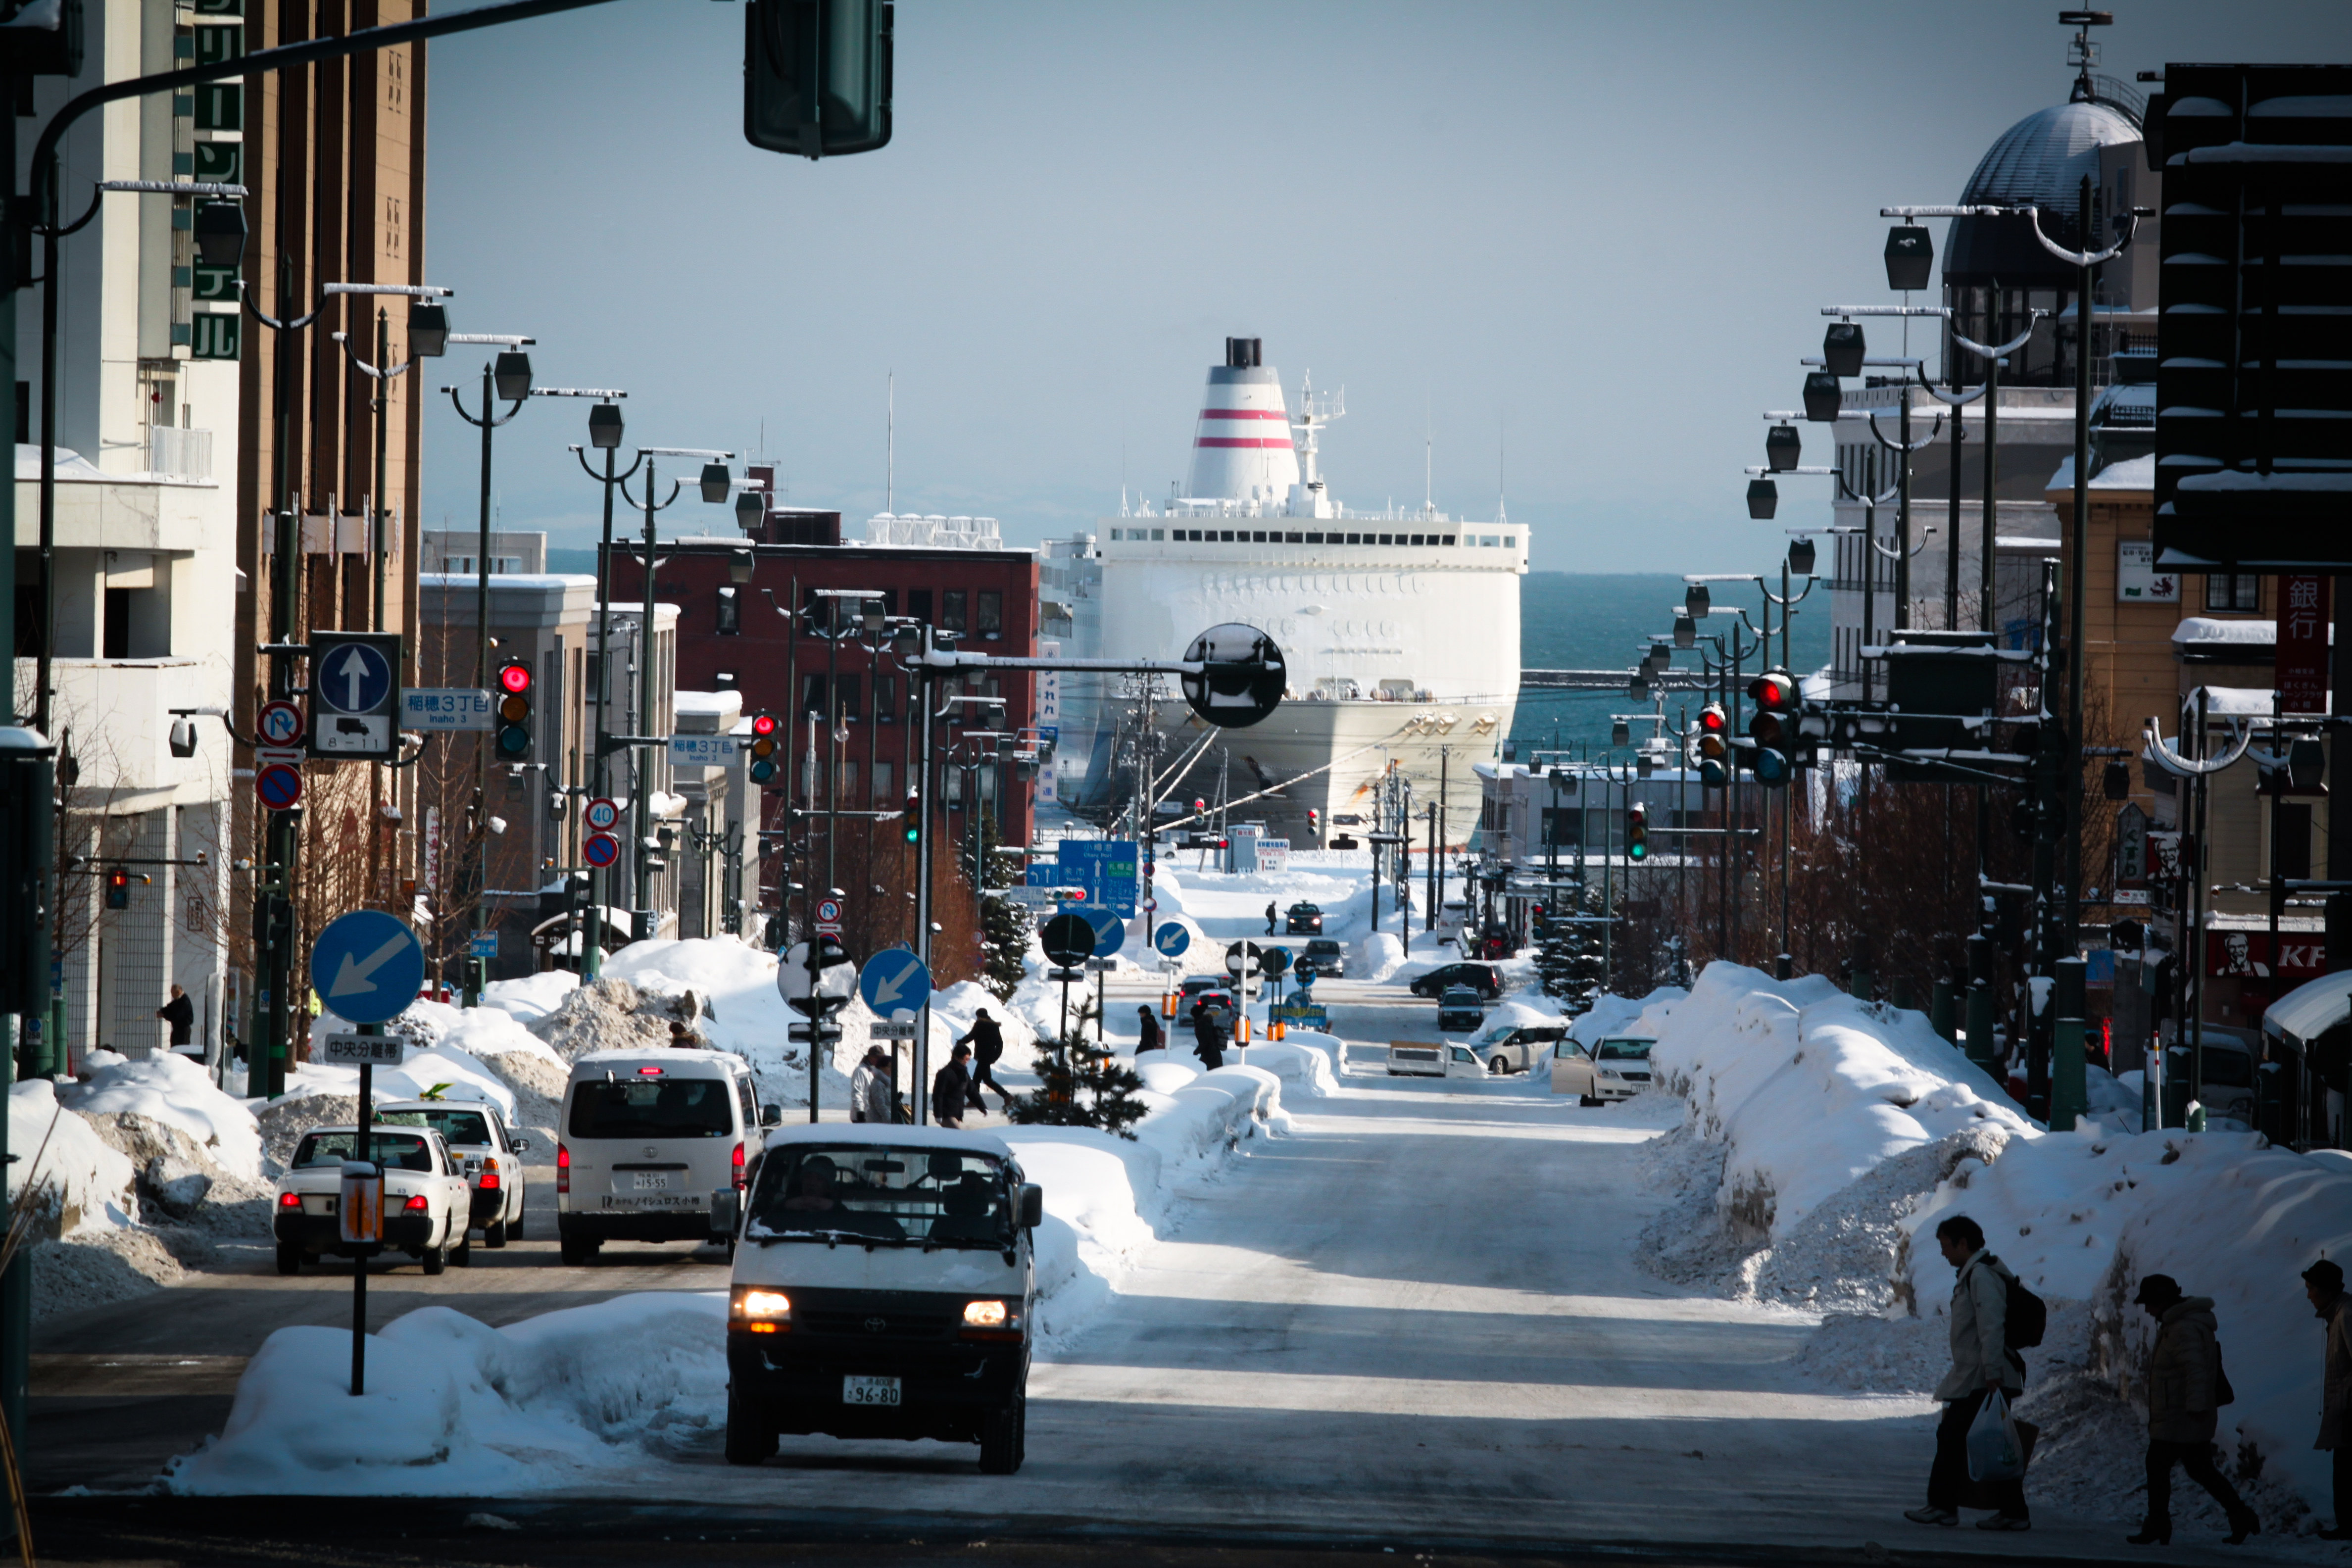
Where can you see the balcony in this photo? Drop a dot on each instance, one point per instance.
(173, 453)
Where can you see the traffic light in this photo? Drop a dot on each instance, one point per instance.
(816, 76)
(763, 747)
(913, 827)
(1637, 832)
(118, 889)
(514, 710)
(1713, 746)
(1774, 728)
(1314, 824)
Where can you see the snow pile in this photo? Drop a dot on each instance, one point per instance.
(176, 1091)
(533, 996)
(1305, 1061)
(83, 1184)
(1378, 957)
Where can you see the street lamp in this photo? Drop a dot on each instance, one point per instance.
(605, 427)
(1783, 447)
(1763, 500)
(381, 371)
(1843, 349)
(716, 482)
(751, 510)
(218, 230)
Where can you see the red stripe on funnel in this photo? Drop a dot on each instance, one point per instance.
(1242, 413)
(1274, 441)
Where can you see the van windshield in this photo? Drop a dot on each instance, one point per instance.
(455, 1126)
(653, 1108)
(871, 1195)
(394, 1151)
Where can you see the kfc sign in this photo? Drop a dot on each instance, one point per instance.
(2247, 954)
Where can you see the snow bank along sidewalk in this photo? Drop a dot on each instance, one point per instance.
(455, 1407)
(1821, 1141)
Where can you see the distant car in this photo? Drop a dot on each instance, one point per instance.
(1302, 919)
(489, 1157)
(426, 1201)
(1324, 957)
(1483, 978)
(1617, 1067)
(1196, 984)
(1517, 1047)
(1432, 1058)
(1460, 1008)
(1494, 942)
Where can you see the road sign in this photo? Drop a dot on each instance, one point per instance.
(367, 966)
(355, 678)
(1151, 906)
(1101, 966)
(702, 750)
(280, 785)
(902, 1031)
(355, 694)
(1243, 955)
(600, 849)
(826, 1033)
(1105, 868)
(278, 724)
(360, 1050)
(894, 982)
(1170, 941)
(1274, 960)
(483, 944)
(1037, 897)
(1245, 678)
(446, 708)
(1068, 939)
(1111, 931)
(602, 813)
(836, 976)
(828, 912)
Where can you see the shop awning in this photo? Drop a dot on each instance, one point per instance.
(2305, 1013)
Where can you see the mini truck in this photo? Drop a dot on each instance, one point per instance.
(426, 1201)
(883, 1285)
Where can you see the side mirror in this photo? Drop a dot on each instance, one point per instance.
(772, 1116)
(726, 1213)
(521, 1145)
(1033, 1205)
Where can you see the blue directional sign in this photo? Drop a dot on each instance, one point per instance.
(894, 981)
(1105, 868)
(367, 966)
(1171, 940)
(356, 679)
(1110, 931)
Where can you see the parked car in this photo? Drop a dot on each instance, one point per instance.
(1517, 1047)
(1432, 1058)
(1325, 957)
(1483, 978)
(1617, 1067)
(1460, 1008)
(489, 1157)
(1302, 920)
(647, 1137)
(920, 1326)
(425, 1198)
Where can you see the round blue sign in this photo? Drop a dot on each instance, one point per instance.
(367, 966)
(355, 679)
(1110, 931)
(1171, 940)
(278, 785)
(893, 980)
(600, 849)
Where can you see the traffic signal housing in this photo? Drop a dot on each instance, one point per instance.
(816, 76)
(1713, 746)
(1314, 825)
(514, 699)
(118, 889)
(1774, 728)
(913, 826)
(763, 747)
(1637, 832)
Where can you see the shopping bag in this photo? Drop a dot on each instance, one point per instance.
(1996, 1451)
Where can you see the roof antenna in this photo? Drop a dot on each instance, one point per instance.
(2083, 54)
(890, 446)
(1502, 434)
(1428, 454)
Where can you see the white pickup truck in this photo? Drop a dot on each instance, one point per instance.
(1433, 1058)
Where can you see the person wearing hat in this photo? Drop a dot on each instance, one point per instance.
(1148, 1036)
(2185, 1393)
(2323, 1287)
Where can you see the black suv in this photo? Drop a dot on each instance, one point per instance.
(1480, 977)
(1303, 920)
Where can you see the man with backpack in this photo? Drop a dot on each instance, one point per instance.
(2186, 1391)
(987, 1042)
(1991, 1315)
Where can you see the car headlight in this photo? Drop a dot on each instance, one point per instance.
(991, 1321)
(761, 1311)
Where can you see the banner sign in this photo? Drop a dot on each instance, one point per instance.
(2302, 656)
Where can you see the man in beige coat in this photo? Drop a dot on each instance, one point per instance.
(1981, 1362)
(2323, 1286)
(2184, 1401)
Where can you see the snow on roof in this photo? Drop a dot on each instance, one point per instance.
(2130, 474)
(2208, 631)
(72, 467)
(2232, 701)
(539, 580)
(714, 704)
(2308, 1011)
(2285, 479)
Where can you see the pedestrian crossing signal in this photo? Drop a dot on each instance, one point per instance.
(514, 711)
(763, 747)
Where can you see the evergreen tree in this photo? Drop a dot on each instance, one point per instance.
(1081, 1084)
(1568, 956)
(1006, 926)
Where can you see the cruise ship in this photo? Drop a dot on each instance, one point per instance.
(1400, 628)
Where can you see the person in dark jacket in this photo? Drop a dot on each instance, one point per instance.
(180, 1013)
(950, 1087)
(1148, 1036)
(1269, 917)
(2323, 1287)
(987, 1042)
(2184, 1388)
(1982, 1362)
(1208, 1039)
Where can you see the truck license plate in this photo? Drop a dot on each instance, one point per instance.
(869, 1391)
(653, 1181)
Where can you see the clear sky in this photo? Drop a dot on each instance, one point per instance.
(1583, 245)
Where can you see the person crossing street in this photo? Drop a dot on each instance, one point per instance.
(987, 1042)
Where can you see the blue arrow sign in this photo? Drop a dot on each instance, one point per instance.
(894, 981)
(367, 966)
(355, 680)
(1171, 940)
(1110, 930)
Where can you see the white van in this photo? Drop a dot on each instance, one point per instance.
(1433, 1058)
(883, 1287)
(646, 1138)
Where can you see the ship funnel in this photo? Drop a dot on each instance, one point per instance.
(1241, 443)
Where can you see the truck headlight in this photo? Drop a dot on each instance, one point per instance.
(761, 1311)
(991, 1321)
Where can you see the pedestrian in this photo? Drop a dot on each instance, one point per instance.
(1269, 917)
(180, 1013)
(987, 1042)
(681, 1036)
(1148, 1036)
(1208, 1039)
(950, 1087)
(2186, 1391)
(869, 1087)
(2323, 1286)
(1982, 1364)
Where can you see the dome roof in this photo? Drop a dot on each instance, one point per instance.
(2038, 162)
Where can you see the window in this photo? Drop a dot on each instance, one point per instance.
(2233, 591)
(845, 697)
(1562, 825)
(1157, 533)
(1294, 538)
(882, 784)
(886, 699)
(954, 620)
(653, 1108)
(117, 624)
(990, 610)
(918, 605)
(1257, 536)
(2293, 851)
(813, 694)
(730, 613)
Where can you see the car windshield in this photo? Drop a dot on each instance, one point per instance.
(873, 1195)
(1321, 945)
(455, 1126)
(1625, 1051)
(394, 1151)
(652, 1108)
(1499, 1034)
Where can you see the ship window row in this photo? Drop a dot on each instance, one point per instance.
(1295, 536)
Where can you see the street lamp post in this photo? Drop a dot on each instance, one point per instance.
(605, 427)
(429, 333)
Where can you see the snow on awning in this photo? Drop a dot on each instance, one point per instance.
(2305, 1013)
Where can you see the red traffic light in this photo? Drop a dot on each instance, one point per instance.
(515, 678)
(1774, 692)
(763, 724)
(1712, 719)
